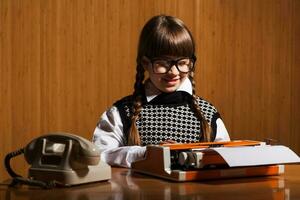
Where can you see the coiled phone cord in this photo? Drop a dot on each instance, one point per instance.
(19, 180)
(7, 162)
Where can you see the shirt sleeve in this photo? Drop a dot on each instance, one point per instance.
(109, 137)
(221, 134)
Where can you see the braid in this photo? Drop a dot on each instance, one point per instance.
(205, 127)
(133, 136)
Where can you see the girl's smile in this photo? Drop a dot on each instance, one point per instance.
(171, 82)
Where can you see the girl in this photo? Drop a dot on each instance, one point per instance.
(163, 108)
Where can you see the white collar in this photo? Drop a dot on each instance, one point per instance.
(151, 91)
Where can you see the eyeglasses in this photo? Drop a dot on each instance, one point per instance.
(163, 66)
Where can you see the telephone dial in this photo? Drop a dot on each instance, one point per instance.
(60, 159)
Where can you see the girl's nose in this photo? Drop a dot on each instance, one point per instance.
(173, 70)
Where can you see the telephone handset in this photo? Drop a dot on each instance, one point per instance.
(61, 159)
(49, 150)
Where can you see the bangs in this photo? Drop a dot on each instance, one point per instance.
(165, 36)
(176, 43)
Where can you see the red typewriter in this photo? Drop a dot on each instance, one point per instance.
(214, 160)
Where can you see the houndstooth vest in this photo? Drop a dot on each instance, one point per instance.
(169, 116)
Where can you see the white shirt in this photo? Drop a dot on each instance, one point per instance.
(110, 139)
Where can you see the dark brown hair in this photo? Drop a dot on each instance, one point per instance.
(163, 35)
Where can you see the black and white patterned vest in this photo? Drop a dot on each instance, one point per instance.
(168, 116)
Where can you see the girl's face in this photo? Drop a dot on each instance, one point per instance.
(164, 72)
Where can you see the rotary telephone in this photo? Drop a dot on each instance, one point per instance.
(60, 159)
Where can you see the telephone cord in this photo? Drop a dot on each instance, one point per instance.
(19, 180)
(7, 162)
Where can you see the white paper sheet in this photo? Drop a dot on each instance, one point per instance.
(257, 155)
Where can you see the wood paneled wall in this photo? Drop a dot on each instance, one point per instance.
(63, 62)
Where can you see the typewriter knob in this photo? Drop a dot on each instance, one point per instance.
(190, 159)
(198, 157)
(187, 159)
(182, 158)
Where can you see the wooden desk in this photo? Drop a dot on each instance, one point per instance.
(127, 185)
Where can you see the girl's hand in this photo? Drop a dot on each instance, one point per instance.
(168, 142)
